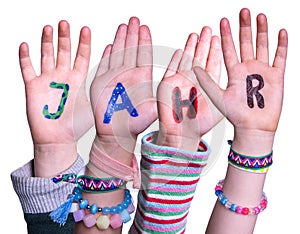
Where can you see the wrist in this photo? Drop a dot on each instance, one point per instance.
(52, 159)
(253, 142)
(118, 148)
(243, 187)
(179, 142)
(109, 153)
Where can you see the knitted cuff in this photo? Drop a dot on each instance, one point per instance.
(169, 181)
(41, 195)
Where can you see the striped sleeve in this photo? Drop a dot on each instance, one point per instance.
(169, 181)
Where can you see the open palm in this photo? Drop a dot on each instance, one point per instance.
(125, 66)
(204, 51)
(262, 111)
(57, 108)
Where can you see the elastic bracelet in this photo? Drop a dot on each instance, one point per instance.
(236, 208)
(91, 184)
(256, 164)
(150, 148)
(113, 216)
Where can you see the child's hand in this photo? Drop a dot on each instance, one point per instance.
(121, 93)
(58, 111)
(184, 113)
(253, 99)
(124, 106)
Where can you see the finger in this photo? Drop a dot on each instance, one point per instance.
(64, 46)
(104, 63)
(246, 45)
(228, 48)
(117, 51)
(174, 64)
(145, 53)
(132, 40)
(214, 60)
(203, 46)
(186, 62)
(211, 88)
(27, 70)
(47, 50)
(281, 51)
(82, 59)
(262, 44)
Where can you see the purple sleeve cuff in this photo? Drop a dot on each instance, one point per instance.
(41, 195)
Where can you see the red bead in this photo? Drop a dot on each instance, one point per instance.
(245, 211)
(218, 188)
(263, 205)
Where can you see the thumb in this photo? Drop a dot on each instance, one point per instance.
(211, 88)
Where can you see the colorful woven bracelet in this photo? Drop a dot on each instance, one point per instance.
(236, 208)
(91, 184)
(256, 164)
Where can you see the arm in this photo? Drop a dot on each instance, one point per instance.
(56, 103)
(173, 158)
(123, 106)
(254, 122)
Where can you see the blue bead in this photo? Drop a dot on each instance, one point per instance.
(77, 197)
(125, 205)
(83, 204)
(233, 207)
(120, 208)
(114, 209)
(224, 200)
(218, 192)
(94, 209)
(128, 201)
(76, 190)
(105, 210)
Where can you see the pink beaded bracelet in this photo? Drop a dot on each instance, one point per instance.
(236, 208)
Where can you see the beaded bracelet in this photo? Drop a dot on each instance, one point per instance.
(256, 164)
(113, 216)
(236, 208)
(91, 184)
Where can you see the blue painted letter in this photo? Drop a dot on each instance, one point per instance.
(113, 106)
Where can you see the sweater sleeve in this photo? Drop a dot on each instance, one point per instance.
(41, 195)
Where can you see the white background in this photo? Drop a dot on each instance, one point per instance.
(170, 23)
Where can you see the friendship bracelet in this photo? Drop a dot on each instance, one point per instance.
(256, 164)
(236, 208)
(91, 184)
(113, 216)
